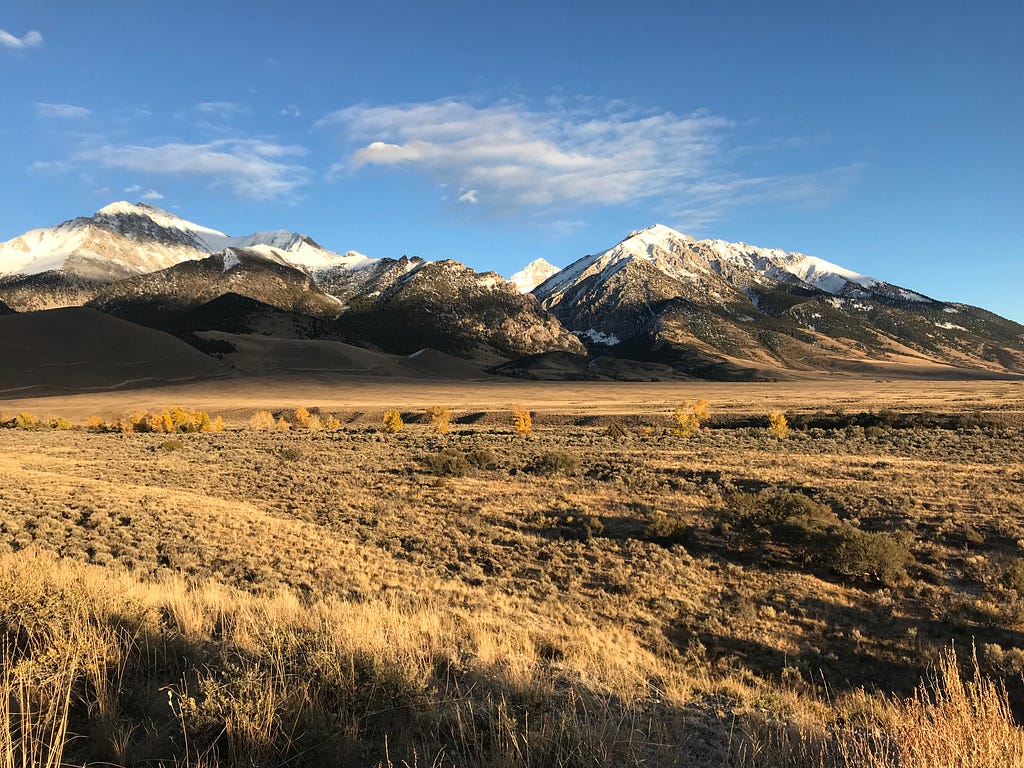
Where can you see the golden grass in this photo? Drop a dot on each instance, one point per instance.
(317, 597)
(241, 679)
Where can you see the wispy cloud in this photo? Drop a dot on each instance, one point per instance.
(149, 194)
(30, 39)
(570, 154)
(249, 168)
(60, 111)
(223, 110)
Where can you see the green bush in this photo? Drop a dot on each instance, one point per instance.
(1013, 576)
(786, 516)
(615, 431)
(482, 458)
(816, 535)
(449, 463)
(667, 529)
(552, 462)
(874, 556)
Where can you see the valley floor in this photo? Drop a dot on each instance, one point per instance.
(603, 591)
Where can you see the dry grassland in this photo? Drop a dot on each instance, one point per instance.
(602, 591)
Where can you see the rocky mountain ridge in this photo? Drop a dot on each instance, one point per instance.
(659, 298)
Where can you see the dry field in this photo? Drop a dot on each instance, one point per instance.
(603, 591)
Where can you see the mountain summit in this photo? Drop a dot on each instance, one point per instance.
(532, 275)
(66, 265)
(733, 310)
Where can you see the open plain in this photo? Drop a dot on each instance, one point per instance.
(605, 590)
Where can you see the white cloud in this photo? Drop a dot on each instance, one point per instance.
(291, 111)
(250, 168)
(30, 39)
(133, 189)
(152, 194)
(469, 196)
(569, 154)
(60, 111)
(223, 110)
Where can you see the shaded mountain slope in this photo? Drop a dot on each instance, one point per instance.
(77, 349)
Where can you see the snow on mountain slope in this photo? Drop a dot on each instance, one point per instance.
(87, 248)
(123, 239)
(532, 275)
(670, 252)
(681, 257)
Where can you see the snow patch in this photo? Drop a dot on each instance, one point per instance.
(231, 260)
(950, 326)
(597, 337)
(911, 296)
(532, 275)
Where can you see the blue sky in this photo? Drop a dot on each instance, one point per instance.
(886, 137)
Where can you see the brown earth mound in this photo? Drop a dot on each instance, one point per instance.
(264, 354)
(75, 349)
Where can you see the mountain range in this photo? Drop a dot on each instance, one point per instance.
(658, 304)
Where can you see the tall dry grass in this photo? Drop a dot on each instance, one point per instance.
(953, 720)
(102, 667)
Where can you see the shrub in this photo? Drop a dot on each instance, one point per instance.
(879, 556)
(26, 420)
(440, 419)
(784, 515)
(482, 458)
(181, 420)
(199, 421)
(282, 424)
(301, 417)
(522, 421)
(139, 421)
(95, 424)
(667, 529)
(688, 416)
(313, 424)
(392, 421)
(289, 453)
(615, 431)
(449, 462)
(578, 526)
(61, 423)
(777, 424)
(1013, 576)
(817, 535)
(262, 421)
(332, 424)
(174, 444)
(550, 462)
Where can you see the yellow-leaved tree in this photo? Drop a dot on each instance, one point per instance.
(688, 416)
(777, 424)
(440, 419)
(392, 421)
(522, 421)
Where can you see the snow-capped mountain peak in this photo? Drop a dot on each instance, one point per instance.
(668, 250)
(123, 239)
(142, 221)
(532, 275)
